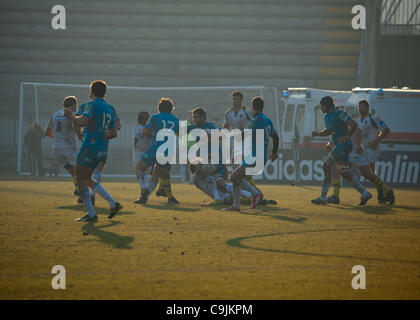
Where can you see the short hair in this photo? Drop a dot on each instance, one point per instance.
(364, 101)
(143, 117)
(257, 103)
(69, 101)
(165, 105)
(98, 88)
(237, 93)
(200, 111)
(328, 102)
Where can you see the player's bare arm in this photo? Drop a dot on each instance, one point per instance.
(382, 134)
(111, 134)
(81, 121)
(146, 131)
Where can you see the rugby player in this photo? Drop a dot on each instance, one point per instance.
(99, 120)
(259, 121)
(341, 127)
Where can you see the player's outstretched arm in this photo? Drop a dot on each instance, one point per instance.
(81, 121)
(322, 133)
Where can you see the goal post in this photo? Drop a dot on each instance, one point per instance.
(38, 102)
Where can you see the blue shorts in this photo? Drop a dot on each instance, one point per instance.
(90, 158)
(342, 151)
(149, 157)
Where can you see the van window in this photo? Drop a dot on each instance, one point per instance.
(319, 119)
(300, 120)
(288, 120)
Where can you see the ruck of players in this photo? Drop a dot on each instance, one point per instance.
(352, 150)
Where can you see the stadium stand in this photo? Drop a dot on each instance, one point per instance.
(281, 43)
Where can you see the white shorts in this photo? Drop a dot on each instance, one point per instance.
(66, 155)
(136, 157)
(372, 155)
(359, 160)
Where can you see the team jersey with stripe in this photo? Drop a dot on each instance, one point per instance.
(64, 136)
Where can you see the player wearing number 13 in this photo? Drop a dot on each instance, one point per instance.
(99, 120)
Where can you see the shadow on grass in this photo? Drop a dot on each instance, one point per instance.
(81, 207)
(369, 209)
(168, 207)
(110, 238)
(260, 211)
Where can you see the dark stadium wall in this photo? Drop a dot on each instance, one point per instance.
(398, 61)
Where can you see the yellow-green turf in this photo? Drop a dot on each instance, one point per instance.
(294, 250)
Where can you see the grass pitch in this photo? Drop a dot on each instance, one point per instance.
(294, 250)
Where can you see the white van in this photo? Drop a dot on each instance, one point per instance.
(301, 114)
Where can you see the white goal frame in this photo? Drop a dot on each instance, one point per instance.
(41, 84)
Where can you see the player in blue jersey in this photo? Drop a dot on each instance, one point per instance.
(99, 120)
(96, 176)
(341, 127)
(259, 122)
(164, 119)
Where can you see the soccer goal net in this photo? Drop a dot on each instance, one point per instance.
(39, 101)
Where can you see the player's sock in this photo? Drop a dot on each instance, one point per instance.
(245, 185)
(236, 196)
(166, 185)
(96, 176)
(336, 183)
(211, 182)
(85, 195)
(355, 182)
(251, 181)
(98, 188)
(142, 180)
(151, 185)
(324, 189)
(75, 181)
(161, 187)
(379, 184)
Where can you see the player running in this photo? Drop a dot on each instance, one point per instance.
(63, 133)
(164, 119)
(373, 131)
(99, 120)
(259, 121)
(96, 176)
(341, 127)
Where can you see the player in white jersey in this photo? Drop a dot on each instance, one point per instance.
(208, 179)
(373, 131)
(140, 144)
(63, 133)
